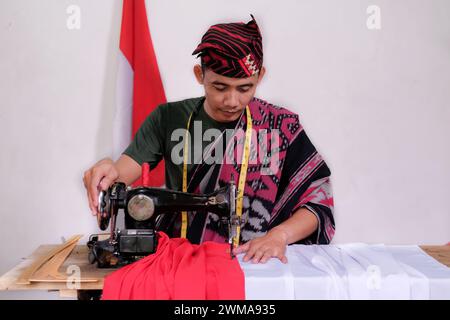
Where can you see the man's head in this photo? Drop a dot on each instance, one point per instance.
(231, 68)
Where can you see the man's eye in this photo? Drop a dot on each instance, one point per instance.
(219, 88)
(243, 90)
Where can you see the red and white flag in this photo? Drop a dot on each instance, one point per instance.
(139, 87)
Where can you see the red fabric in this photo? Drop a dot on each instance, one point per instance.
(179, 270)
(148, 91)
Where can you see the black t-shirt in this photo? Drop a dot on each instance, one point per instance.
(162, 135)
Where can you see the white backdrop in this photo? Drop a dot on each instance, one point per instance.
(376, 104)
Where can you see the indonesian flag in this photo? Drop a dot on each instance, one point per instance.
(139, 87)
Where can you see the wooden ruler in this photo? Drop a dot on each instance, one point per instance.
(27, 274)
(48, 272)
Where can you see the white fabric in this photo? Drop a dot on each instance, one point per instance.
(349, 271)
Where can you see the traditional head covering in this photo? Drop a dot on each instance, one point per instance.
(232, 49)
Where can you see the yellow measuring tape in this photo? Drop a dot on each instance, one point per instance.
(184, 221)
(242, 175)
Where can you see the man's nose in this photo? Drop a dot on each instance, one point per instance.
(231, 99)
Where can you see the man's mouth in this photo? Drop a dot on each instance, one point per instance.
(232, 111)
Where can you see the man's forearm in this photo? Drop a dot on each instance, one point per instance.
(129, 170)
(299, 226)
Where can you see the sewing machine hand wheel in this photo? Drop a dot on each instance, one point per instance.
(109, 203)
(103, 210)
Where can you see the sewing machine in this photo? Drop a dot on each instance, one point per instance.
(142, 206)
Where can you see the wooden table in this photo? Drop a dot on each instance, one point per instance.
(79, 258)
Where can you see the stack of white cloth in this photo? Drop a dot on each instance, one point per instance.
(348, 271)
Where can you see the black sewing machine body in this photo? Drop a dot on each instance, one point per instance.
(142, 206)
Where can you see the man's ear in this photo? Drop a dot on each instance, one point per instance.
(261, 74)
(198, 72)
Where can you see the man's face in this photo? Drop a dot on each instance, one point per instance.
(226, 97)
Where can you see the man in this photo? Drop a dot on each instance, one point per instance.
(286, 201)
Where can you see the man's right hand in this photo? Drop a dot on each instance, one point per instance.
(99, 177)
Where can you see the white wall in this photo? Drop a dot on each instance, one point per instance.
(376, 103)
